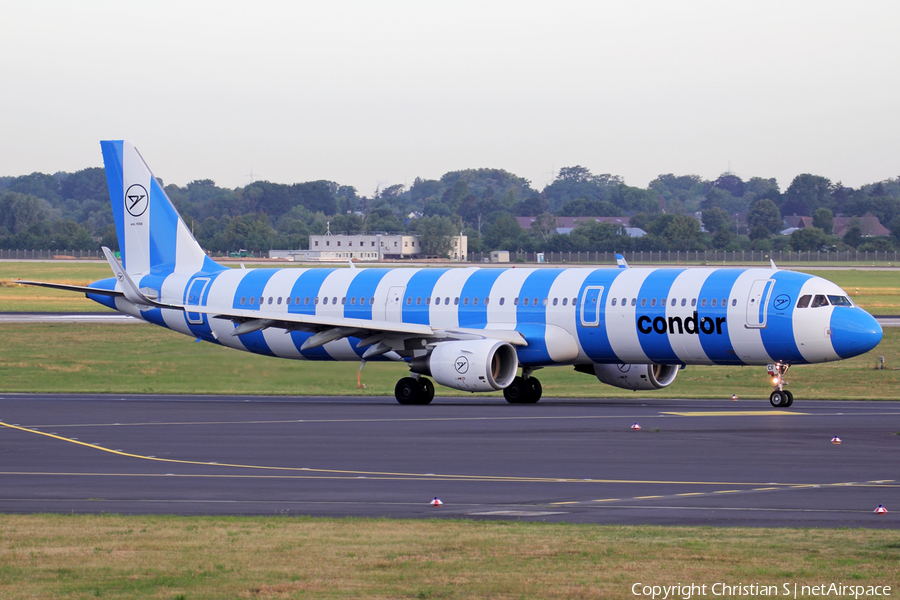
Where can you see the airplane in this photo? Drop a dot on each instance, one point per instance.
(471, 329)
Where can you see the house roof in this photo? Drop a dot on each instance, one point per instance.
(869, 224)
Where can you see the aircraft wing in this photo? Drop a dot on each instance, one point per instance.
(379, 334)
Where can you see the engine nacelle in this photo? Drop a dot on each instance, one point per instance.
(471, 366)
(636, 377)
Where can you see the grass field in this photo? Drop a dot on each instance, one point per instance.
(111, 556)
(876, 291)
(141, 358)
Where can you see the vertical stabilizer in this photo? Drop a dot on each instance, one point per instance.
(152, 236)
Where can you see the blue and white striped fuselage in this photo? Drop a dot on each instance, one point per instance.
(665, 316)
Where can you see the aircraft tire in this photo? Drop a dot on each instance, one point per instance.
(535, 389)
(778, 399)
(789, 398)
(408, 391)
(517, 391)
(427, 391)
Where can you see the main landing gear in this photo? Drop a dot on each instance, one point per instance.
(524, 390)
(414, 390)
(780, 398)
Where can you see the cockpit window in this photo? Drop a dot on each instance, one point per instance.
(840, 301)
(803, 302)
(819, 300)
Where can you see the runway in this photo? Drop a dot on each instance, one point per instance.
(693, 462)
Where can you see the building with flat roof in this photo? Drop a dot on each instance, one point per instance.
(368, 247)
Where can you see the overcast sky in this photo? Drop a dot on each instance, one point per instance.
(378, 93)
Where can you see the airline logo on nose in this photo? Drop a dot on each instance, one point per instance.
(136, 200)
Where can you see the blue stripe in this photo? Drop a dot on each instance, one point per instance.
(717, 346)
(163, 225)
(657, 286)
(154, 282)
(478, 285)
(308, 285)
(104, 284)
(419, 288)
(531, 320)
(252, 285)
(778, 335)
(595, 340)
(112, 163)
(363, 286)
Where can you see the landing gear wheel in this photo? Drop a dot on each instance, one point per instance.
(789, 398)
(408, 391)
(517, 391)
(427, 391)
(778, 399)
(534, 390)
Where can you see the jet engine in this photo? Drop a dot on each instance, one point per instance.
(636, 377)
(471, 366)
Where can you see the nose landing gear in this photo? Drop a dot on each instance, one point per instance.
(780, 398)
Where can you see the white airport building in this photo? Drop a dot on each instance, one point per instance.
(367, 247)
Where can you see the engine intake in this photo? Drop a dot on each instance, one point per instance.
(636, 377)
(471, 366)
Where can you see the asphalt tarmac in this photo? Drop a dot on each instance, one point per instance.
(693, 462)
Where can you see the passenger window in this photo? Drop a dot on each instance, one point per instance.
(693, 302)
(734, 302)
(372, 300)
(525, 301)
(362, 300)
(475, 301)
(428, 301)
(487, 300)
(683, 301)
(502, 301)
(643, 302)
(724, 301)
(466, 301)
(544, 302)
(515, 301)
(839, 301)
(409, 300)
(270, 299)
(343, 300)
(279, 300)
(703, 302)
(653, 302)
(819, 300)
(243, 300)
(252, 300)
(624, 301)
(713, 303)
(613, 301)
(633, 301)
(565, 301)
(418, 301)
(535, 303)
(574, 300)
(447, 300)
(306, 300)
(352, 300)
(325, 300)
(456, 301)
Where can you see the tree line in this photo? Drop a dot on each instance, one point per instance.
(677, 212)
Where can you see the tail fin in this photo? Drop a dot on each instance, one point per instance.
(152, 236)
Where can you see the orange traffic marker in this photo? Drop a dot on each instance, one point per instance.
(436, 502)
(636, 427)
(881, 510)
(835, 440)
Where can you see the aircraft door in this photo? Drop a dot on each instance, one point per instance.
(393, 308)
(195, 298)
(758, 302)
(590, 306)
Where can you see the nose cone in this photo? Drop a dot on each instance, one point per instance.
(853, 331)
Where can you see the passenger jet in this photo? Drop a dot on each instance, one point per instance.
(471, 329)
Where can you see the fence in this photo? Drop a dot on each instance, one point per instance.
(49, 254)
(698, 256)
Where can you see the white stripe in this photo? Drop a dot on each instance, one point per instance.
(137, 229)
(620, 321)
